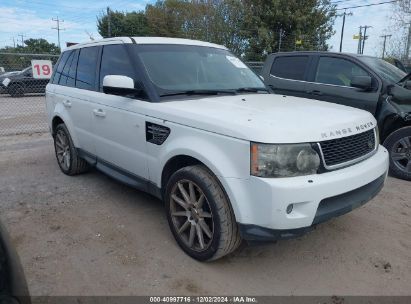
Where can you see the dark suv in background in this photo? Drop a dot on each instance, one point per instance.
(358, 81)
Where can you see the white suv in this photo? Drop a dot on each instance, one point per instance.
(189, 123)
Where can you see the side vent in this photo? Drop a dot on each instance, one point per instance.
(156, 134)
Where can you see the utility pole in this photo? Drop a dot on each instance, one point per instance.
(14, 43)
(58, 28)
(108, 22)
(383, 47)
(280, 39)
(359, 41)
(22, 39)
(365, 37)
(343, 26)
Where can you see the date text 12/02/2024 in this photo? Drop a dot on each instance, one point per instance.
(208, 299)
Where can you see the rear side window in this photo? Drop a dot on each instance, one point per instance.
(337, 71)
(290, 67)
(60, 66)
(86, 68)
(70, 62)
(115, 61)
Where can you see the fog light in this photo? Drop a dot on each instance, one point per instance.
(289, 208)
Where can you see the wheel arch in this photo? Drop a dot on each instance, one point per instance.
(60, 115)
(391, 124)
(180, 161)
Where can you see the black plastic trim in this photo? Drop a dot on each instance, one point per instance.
(121, 175)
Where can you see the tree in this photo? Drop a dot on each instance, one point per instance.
(249, 28)
(302, 25)
(123, 24)
(399, 27)
(34, 46)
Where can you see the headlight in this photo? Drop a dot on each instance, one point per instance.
(283, 160)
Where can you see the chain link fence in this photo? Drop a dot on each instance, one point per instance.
(22, 105)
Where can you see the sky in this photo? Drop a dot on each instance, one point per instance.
(33, 19)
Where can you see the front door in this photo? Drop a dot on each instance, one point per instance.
(119, 127)
(332, 83)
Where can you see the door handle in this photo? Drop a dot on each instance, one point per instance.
(67, 103)
(315, 92)
(99, 113)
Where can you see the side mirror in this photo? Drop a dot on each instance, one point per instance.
(361, 82)
(120, 85)
(407, 84)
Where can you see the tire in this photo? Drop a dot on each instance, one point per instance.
(67, 156)
(16, 90)
(223, 236)
(398, 144)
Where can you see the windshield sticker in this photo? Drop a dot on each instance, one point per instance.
(236, 62)
(6, 82)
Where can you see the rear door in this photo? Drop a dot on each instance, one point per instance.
(287, 74)
(76, 79)
(330, 81)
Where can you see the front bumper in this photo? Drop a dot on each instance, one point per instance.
(327, 209)
(261, 203)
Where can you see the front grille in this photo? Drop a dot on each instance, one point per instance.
(342, 150)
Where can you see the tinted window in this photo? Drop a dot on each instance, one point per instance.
(66, 69)
(174, 68)
(290, 67)
(60, 66)
(86, 68)
(71, 77)
(337, 71)
(115, 61)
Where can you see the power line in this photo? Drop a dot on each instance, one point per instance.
(58, 21)
(22, 39)
(366, 5)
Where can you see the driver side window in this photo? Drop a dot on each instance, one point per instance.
(337, 71)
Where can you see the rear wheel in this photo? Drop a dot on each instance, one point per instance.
(398, 144)
(199, 214)
(67, 157)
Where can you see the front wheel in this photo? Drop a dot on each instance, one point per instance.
(199, 214)
(398, 143)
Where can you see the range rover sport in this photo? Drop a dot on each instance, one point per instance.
(191, 124)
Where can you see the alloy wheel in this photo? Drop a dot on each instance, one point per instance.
(401, 154)
(191, 215)
(63, 150)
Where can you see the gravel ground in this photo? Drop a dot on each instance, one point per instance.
(89, 235)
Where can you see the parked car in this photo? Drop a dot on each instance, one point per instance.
(363, 82)
(13, 286)
(19, 83)
(191, 124)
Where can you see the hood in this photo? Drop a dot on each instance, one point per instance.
(266, 118)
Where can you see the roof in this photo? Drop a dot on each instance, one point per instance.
(145, 40)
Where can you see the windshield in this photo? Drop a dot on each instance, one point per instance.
(182, 68)
(386, 70)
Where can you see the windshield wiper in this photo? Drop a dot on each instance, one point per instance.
(199, 92)
(251, 90)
